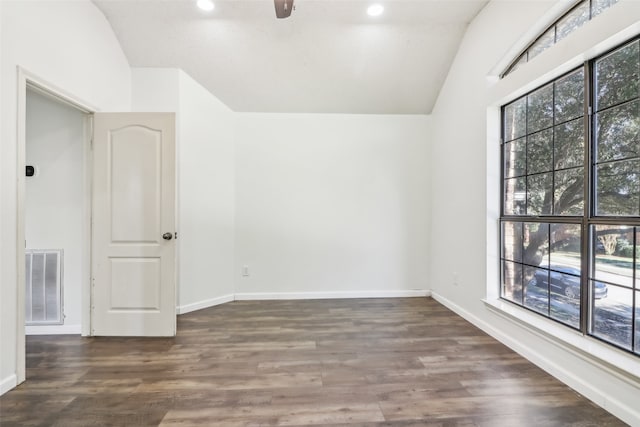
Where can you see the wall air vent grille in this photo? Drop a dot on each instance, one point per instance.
(43, 293)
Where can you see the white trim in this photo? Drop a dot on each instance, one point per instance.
(188, 308)
(43, 87)
(8, 383)
(582, 386)
(56, 95)
(251, 296)
(87, 168)
(53, 330)
(331, 295)
(21, 112)
(622, 365)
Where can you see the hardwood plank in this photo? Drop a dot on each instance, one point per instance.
(305, 414)
(235, 382)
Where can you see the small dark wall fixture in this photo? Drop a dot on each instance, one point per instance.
(30, 170)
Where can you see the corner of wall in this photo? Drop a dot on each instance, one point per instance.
(8, 383)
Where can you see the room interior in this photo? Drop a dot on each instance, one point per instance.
(327, 155)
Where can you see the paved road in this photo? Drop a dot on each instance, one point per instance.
(612, 316)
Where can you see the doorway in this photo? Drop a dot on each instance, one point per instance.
(55, 208)
(132, 163)
(28, 84)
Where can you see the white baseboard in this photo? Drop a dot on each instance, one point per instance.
(589, 390)
(53, 330)
(8, 383)
(332, 295)
(248, 296)
(188, 308)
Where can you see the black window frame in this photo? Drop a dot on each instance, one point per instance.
(587, 221)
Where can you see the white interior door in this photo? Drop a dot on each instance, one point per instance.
(133, 229)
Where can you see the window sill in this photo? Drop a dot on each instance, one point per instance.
(617, 362)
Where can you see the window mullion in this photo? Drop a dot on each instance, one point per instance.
(634, 302)
(585, 308)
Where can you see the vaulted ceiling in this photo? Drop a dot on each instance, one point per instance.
(328, 57)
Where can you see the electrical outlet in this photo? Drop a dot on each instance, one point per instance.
(245, 270)
(455, 279)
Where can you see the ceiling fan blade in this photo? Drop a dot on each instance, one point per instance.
(283, 8)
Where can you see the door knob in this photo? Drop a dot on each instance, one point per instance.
(167, 236)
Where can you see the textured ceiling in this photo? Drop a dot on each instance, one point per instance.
(328, 57)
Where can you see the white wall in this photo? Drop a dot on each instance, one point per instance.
(155, 90)
(465, 190)
(206, 197)
(331, 205)
(71, 46)
(55, 199)
(205, 150)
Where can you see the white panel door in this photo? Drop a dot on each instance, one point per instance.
(133, 229)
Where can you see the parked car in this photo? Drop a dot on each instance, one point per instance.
(565, 281)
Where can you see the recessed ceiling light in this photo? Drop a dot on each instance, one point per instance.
(206, 5)
(375, 10)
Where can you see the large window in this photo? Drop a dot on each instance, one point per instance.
(570, 225)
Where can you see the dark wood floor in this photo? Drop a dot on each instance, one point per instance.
(368, 362)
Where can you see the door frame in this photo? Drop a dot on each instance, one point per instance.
(29, 80)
